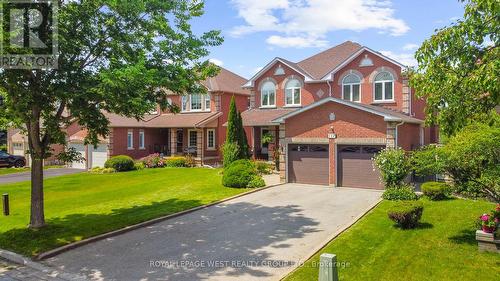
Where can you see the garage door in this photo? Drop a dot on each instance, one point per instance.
(80, 148)
(99, 155)
(308, 163)
(356, 167)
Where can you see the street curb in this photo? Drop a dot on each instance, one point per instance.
(333, 236)
(24, 261)
(113, 233)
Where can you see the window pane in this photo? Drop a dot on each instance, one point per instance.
(296, 96)
(347, 92)
(288, 96)
(383, 76)
(355, 92)
(195, 102)
(378, 91)
(265, 98)
(351, 78)
(294, 83)
(207, 102)
(271, 98)
(192, 138)
(211, 139)
(184, 103)
(388, 90)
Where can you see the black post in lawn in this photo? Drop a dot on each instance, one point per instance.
(5, 200)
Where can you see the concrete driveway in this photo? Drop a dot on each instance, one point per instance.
(48, 173)
(255, 237)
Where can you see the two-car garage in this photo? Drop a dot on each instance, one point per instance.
(310, 164)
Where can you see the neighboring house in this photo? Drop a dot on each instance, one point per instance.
(330, 113)
(196, 130)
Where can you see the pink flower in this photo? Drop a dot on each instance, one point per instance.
(497, 220)
(485, 217)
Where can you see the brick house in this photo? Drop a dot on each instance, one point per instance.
(330, 113)
(197, 129)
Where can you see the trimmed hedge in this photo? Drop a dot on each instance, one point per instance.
(404, 192)
(120, 163)
(435, 190)
(176, 161)
(241, 174)
(406, 214)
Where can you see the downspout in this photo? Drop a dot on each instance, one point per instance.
(329, 87)
(396, 134)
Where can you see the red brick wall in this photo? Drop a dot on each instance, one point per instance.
(349, 123)
(241, 105)
(409, 136)
(152, 137)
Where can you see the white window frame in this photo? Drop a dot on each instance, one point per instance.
(292, 91)
(189, 138)
(130, 139)
(212, 147)
(262, 95)
(383, 82)
(350, 88)
(142, 140)
(186, 105)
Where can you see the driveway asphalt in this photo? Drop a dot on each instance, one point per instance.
(259, 236)
(48, 173)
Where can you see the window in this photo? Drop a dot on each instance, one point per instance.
(292, 92)
(207, 102)
(184, 103)
(351, 88)
(195, 102)
(268, 94)
(141, 140)
(384, 87)
(193, 138)
(211, 139)
(130, 139)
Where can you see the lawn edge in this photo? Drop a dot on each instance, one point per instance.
(67, 247)
(344, 228)
(24, 261)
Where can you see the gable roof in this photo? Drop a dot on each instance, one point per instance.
(226, 81)
(389, 115)
(321, 66)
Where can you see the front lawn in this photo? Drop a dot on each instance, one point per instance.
(442, 248)
(84, 205)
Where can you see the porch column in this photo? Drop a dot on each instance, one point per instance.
(283, 152)
(173, 141)
(199, 145)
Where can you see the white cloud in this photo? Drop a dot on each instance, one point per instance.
(407, 59)
(216, 61)
(313, 19)
(410, 47)
(295, 41)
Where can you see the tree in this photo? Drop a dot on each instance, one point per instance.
(243, 141)
(114, 56)
(458, 68)
(235, 132)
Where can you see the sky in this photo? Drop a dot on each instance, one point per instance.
(256, 31)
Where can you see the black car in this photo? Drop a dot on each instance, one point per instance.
(8, 160)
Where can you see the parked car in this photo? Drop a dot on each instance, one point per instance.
(9, 160)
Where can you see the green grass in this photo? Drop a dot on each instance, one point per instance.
(6, 171)
(442, 248)
(84, 205)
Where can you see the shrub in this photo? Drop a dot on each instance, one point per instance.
(403, 192)
(230, 152)
(257, 181)
(190, 160)
(99, 170)
(394, 166)
(176, 161)
(120, 163)
(406, 214)
(139, 166)
(435, 190)
(239, 174)
(153, 161)
(3, 147)
(263, 167)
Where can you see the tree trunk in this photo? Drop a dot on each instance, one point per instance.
(37, 218)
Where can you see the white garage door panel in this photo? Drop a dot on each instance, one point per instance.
(80, 148)
(99, 155)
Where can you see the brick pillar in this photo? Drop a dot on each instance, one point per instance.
(110, 143)
(252, 99)
(252, 143)
(333, 166)
(284, 151)
(391, 135)
(406, 95)
(199, 145)
(173, 141)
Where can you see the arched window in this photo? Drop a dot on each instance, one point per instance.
(351, 88)
(268, 94)
(292, 92)
(384, 87)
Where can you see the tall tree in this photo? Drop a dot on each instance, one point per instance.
(232, 132)
(243, 141)
(114, 56)
(459, 66)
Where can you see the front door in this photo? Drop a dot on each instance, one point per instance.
(264, 146)
(180, 138)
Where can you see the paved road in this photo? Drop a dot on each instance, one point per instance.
(49, 173)
(234, 240)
